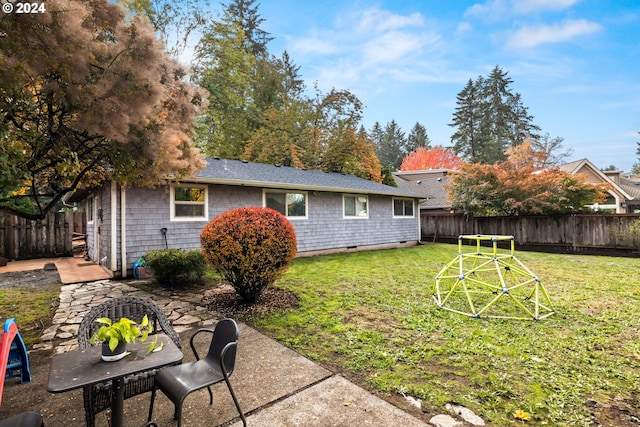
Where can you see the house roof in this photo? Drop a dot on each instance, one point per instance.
(238, 172)
(631, 185)
(430, 183)
(576, 166)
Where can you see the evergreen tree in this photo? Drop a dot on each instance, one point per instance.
(226, 70)
(418, 138)
(466, 139)
(246, 14)
(391, 148)
(636, 166)
(490, 118)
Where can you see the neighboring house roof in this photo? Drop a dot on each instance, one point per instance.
(238, 172)
(430, 183)
(631, 185)
(594, 175)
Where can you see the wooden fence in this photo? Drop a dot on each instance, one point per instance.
(556, 233)
(51, 237)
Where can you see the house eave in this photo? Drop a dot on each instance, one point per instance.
(293, 186)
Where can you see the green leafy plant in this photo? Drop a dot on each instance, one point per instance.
(250, 247)
(124, 330)
(629, 236)
(176, 266)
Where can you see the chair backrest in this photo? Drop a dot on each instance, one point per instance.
(131, 307)
(225, 332)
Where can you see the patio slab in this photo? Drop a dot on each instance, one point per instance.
(70, 269)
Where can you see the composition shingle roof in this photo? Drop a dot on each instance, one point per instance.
(430, 183)
(237, 172)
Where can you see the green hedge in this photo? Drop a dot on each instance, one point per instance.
(177, 267)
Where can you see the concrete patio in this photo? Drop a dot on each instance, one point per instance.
(275, 385)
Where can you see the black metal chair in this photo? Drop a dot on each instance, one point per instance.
(176, 382)
(97, 398)
(25, 419)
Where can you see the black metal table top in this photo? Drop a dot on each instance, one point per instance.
(78, 368)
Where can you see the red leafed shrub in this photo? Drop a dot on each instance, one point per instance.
(249, 247)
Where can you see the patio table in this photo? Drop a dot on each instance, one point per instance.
(78, 368)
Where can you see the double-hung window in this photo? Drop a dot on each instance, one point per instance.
(355, 206)
(291, 204)
(189, 203)
(403, 208)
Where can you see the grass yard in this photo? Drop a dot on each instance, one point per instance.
(33, 309)
(371, 314)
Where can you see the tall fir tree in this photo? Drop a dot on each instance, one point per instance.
(392, 146)
(245, 12)
(490, 118)
(418, 138)
(466, 139)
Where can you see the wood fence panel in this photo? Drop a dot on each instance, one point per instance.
(50, 237)
(574, 233)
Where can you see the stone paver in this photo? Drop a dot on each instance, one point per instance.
(77, 299)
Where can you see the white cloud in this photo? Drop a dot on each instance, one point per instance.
(395, 46)
(527, 6)
(501, 9)
(463, 27)
(377, 20)
(313, 46)
(532, 36)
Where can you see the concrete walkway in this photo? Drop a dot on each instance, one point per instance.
(70, 269)
(275, 385)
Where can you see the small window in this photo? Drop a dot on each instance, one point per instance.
(356, 206)
(90, 202)
(189, 203)
(403, 208)
(291, 205)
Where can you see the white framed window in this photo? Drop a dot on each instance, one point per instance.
(292, 204)
(90, 208)
(355, 206)
(403, 208)
(189, 202)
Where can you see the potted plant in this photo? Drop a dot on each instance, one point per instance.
(114, 336)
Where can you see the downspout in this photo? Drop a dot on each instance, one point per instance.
(419, 214)
(123, 232)
(114, 228)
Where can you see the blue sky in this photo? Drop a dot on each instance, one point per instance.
(575, 63)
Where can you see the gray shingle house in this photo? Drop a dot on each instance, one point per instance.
(330, 212)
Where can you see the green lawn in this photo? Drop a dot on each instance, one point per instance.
(371, 313)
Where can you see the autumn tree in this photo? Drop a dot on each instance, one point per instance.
(434, 158)
(259, 109)
(517, 187)
(320, 133)
(87, 94)
(175, 22)
(489, 118)
(550, 151)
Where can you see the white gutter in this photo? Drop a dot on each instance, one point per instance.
(123, 232)
(114, 228)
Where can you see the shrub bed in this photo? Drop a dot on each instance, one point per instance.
(177, 267)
